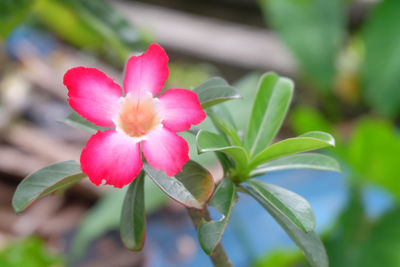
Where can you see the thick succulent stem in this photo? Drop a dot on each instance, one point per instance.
(218, 256)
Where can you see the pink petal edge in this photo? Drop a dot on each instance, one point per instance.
(147, 72)
(111, 156)
(165, 150)
(93, 94)
(180, 109)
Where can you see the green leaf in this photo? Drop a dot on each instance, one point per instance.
(105, 215)
(309, 243)
(223, 199)
(211, 142)
(192, 187)
(289, 204)
(77, 121)
(383, 243)
(214, 91)
(380, 70)
(373, 152)
(305, 142)
(312, 161)
(12, 13)
(45, 181)
(133, 217)
(225, 126)
(313, 30)
(269, 110)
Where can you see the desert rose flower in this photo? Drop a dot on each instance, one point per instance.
(142, 121)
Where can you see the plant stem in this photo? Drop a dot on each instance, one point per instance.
(218, 256)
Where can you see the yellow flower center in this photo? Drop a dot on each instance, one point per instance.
(138, 117)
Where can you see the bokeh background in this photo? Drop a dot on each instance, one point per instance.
(344, 57)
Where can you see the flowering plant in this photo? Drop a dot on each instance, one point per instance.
(140, 121)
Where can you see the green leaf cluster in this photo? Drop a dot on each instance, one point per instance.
(249, 154)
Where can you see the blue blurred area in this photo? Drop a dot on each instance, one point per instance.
(25, 37)
(252, 232)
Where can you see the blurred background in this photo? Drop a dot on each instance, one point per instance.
(344, 57)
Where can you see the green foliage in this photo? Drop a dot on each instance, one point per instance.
(192, 187)
(270, 106)
(380, 71)
(76, 120)
(305, 142)
(92, 25)
(106, 215)
(309, 243)
(311, 161)
(251, 157)
(214, 91)
(306, 119)
(133, 217)
(295, 208)
(29, 252)
(211, 142)
(12, 13)
(281, 258)
(373, 152)
(45, 181)
(313, 30)
(383, 242)
(223, 199)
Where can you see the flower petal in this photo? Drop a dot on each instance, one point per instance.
(112, 156)
(180, 108)
(166, 151)
(93, 94)
(147, 72)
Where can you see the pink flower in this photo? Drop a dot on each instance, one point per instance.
(143, 121)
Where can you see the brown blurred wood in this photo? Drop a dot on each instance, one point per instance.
(210, 38)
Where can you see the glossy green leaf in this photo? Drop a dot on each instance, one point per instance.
(380, 70)
(214, 91)
(225, 126)
(192, 187)
(45, 181)
(305, 142)
(133, 217)
(309, 243)
(313, 30)
(269, 110)
(211, 142)
(76, 120)
(289, 204)
(312, 161)
(223, 199)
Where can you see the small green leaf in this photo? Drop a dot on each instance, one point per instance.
(45, 181)
(309, 243)
(211, 142)
(223, 199)
(305, 142)
(133, 216)
(289, 204)
(214, 91)
(269, 110)
(76, 120)
(312, 161)
(191, 187)
(225, 126)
